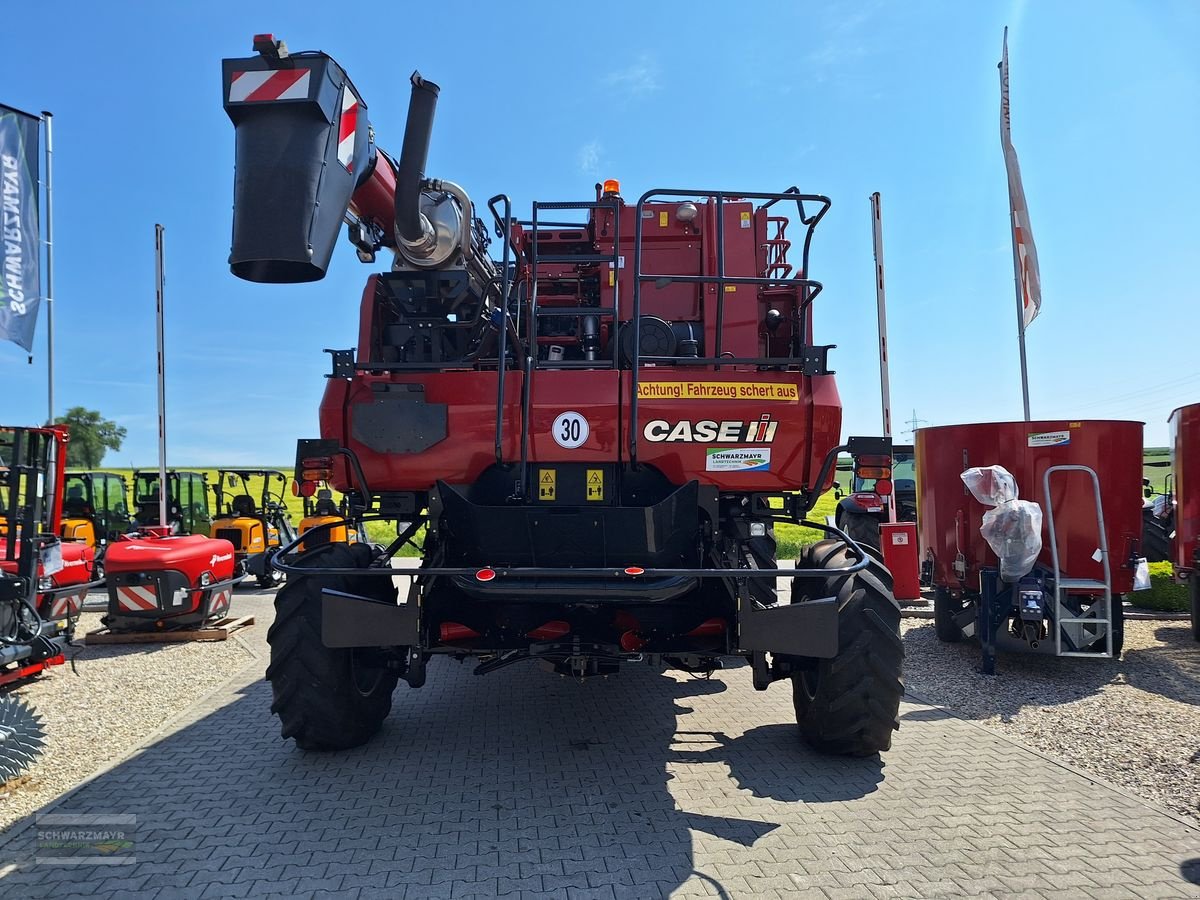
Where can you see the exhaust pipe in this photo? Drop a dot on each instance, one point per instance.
(415, 235)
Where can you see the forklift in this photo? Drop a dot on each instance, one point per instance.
(95, 508)
(187, 501)
(252, 515)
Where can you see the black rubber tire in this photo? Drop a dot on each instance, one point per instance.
(863, 528)
(315, 693)
(1156, 545)
(945, 608)
(1194, 595)
(849, 705)
(1118, 625)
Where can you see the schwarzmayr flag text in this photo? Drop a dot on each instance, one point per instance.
(20, 272)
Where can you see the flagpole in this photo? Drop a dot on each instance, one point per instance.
(47, 119)
(160, 279)
(1020, 315)
(885, 387)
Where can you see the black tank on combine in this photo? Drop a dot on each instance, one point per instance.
(589, 421)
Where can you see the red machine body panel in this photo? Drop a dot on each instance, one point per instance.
(191, 554)
(1185, 463)
(949, 517)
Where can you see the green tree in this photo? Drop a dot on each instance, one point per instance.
(91, 436)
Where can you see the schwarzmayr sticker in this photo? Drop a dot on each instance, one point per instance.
(1050, 439)
(742, 459)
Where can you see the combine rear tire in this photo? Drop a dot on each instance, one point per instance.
(324, 699)
(1156, 545)
(863, 528)
(849, 704)
(945, 608)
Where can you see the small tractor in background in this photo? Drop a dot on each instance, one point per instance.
(876, 485)
(327, 518)
(598, 430)
(95, 511)
(253, 518)
(187, 501)
(1067, 558)
(43, 579)
(1158, 515)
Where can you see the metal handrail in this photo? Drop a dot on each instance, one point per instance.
(1103, 548)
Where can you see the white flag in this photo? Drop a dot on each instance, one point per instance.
(1026, 255)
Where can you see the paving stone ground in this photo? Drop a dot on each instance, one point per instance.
(647, 785)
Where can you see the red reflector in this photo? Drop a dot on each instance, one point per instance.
(307, 488)
(317, 462)
(485, 574)
(264, 39)
(635, 570)
(549, 631)
(631, 642)
(453, 631)
(883, 487)
(708, 627)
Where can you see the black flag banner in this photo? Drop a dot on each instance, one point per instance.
(20, 269)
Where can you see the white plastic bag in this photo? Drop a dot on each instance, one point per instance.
(1141, 574)
(1012, 528)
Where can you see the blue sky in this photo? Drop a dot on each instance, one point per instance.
(540, 100)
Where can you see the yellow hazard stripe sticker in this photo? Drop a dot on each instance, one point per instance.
(718, 390)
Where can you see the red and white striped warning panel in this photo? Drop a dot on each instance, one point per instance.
(348, 127)
(284, 84)
(67, 605)
(220, 601)
(135, 598)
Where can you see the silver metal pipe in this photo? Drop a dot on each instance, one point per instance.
(160, 282)
(47, 120)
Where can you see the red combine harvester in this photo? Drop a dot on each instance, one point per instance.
(1085, 478)
(1184, 504)
(43, 579)
(598, 431)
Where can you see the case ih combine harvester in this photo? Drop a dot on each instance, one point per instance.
(1172, 524)
(598, 430)
(1057, 579)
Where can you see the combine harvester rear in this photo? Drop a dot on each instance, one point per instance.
(1078, 560)
(1183, 501)
(598, 430)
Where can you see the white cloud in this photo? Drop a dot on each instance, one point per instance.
(589, 158)
(639, 77)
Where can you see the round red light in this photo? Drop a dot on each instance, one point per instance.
(307, 488)
(883, 487)
(485, 574)
(635, 570)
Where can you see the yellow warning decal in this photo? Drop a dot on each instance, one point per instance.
(746, 219)
(662, 220)
(718, 390)
(595, 484)
(730, 288)
(612, 277)
(547, 484)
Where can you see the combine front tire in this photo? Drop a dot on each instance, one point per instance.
(1194, 594)
(849, 704)
(1156, 544)
(325, 698)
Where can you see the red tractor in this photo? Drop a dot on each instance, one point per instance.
(43, 579)
(597, 431)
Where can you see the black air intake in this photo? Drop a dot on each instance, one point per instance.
(294, 172)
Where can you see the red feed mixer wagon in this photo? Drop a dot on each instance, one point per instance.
(598, 429)
(1185, 534)
(1085, 476)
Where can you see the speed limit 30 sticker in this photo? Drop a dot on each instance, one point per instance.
(570, 430)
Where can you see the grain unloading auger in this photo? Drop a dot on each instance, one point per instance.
(597, 431)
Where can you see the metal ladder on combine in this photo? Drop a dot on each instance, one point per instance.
(1083, 629)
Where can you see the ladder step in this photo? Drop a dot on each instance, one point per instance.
(567, 259)
(576, 311)
(1090, 584)
(1085, 621)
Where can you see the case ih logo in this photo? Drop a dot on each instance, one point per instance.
(728, 431)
